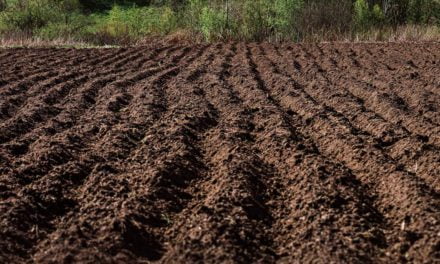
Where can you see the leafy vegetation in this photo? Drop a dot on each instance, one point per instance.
(127, 21)
(366, 17)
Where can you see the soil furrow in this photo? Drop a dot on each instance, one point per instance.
(401, 81)
(116, 144)
(63, 168)
(66, 73)
(340, 194)
(414, 100)
(20, 76)
(387, 107)
(223, 153)
(235, 177)
(396, 189)
(398, 144)
(55, 95)
(15, 74)
(20, 91)
(35, 57)
(81, 102)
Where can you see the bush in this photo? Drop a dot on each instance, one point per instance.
(263, 19)
(213, 19)
(32, 15)
(213, 23)
(396, 11)
(193, 12)
(377, 17)
(365, 18)
(285, 14)
(362, 14)
(423, 11)
(253, 20)
(106, 5)
(329, 19)
(2, 5)
(130, 24)
(76, 28)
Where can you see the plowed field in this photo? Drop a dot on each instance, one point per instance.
(230, 152)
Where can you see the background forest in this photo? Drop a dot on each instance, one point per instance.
(131, 21)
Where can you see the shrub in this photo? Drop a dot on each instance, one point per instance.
(212, 23)
(35, 15)
(75, 29)
(365, 18)
(254, 21)
(2, 5)
(249, 19)
(377, 16)
(396, 11)
(362, 14)
(423, 11)
(130, 24)
(193, 12)
(105, 5)
(285, 14)
(329, 19)
(32, 15)
(262, 19)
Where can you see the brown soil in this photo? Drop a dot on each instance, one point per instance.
(231, 152)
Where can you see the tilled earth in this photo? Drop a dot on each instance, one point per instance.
(230, 152)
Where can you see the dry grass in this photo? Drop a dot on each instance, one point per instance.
(408, 33)
(26, 41)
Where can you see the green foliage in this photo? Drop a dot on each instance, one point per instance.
(77, 27)
(365, 18)
(105, 5)
(377, 16)
(2, 5)
(212, 23)
(249, 19)
(192, 13)
(32, 15)
(35, 15)
(329, 19)
(133, 23)
(255, 20)
(361, 14)
(126, 21)
(269, 19)
(423, 11)
(285, 15)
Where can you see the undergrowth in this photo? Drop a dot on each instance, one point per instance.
(126, 22)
